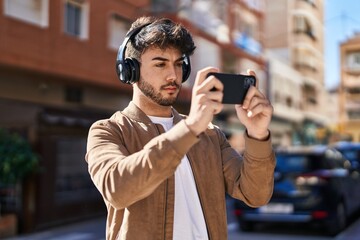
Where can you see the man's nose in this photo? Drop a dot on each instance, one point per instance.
(172, 74)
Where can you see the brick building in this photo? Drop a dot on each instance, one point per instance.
(57, 76)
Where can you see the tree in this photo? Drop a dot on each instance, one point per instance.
(17, 160)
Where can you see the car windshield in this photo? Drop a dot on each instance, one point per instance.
(350, 154)
(297, 163)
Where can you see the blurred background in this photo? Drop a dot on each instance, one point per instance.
(57, 76)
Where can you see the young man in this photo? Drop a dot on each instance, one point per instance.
(164, 175)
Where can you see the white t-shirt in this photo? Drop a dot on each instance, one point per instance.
(189, 222)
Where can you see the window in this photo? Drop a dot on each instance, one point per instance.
(163, 5)
(353, 61)
(302, 25)
(312, 2)
(31, 11)
(292, 163)
(354, 114)
(73, 94)
(73, 183)
(118, 28)
(289, 102)
(76, 18)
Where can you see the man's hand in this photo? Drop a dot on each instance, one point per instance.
(255, 112)
(205, 103)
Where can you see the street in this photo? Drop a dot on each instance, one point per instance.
(94, 229)
(288, 232)
(295, 233)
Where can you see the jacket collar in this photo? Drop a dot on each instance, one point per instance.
(134, 112)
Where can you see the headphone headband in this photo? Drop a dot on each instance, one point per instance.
(129, 35)
(128, 69)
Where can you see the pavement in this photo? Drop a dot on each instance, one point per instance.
(92, 229)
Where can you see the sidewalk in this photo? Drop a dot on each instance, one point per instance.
(93, 229)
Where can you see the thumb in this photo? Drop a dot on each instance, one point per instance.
(241, 113)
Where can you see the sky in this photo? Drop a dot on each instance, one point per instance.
(342, 20)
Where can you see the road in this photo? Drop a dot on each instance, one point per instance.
(288, 232)
(94, 229)
(295, 233)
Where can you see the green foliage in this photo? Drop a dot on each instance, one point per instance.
(17, 159)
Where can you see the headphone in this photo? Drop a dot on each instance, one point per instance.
(128, 69)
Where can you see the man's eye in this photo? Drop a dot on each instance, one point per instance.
(179, 64)
(160, 65)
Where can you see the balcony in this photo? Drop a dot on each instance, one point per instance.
(304, 37)
(255, 5)
(288, 113)
(317, 116)
(353, 106)
(308, 6)
(352, 98)
(351, 81)
(201, 16)
(247, 43)
(352, 69)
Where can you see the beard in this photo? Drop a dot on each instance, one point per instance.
(151, 93)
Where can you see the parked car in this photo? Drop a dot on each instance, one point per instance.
(351, 151)
(313, 185)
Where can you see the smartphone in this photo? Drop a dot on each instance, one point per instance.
(235, 86)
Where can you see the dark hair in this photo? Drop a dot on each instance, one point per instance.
(162, 33)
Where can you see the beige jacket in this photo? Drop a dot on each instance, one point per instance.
(132, 163)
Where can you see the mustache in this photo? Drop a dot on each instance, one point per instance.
(173, 84)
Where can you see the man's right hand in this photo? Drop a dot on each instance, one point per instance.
(205, 102)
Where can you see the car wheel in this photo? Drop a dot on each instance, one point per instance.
(339, 221)
(246, 226)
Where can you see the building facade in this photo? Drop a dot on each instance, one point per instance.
(294, 31)
(286, 96)
(57, 61)
(349, 91)
(57, 76)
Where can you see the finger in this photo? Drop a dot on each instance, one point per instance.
(209, 97)
(252, 92)
(242, 113)
(256, 101)
(209, 84)
(207, 103)
(216, 96)
(252, 73)
(217, 106)
(263, 108)
(201, 74)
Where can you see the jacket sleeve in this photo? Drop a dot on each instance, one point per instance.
(124, 178)
(250, 177)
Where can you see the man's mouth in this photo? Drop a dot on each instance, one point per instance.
(171, 88)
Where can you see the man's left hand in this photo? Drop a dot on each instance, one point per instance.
(255, 112)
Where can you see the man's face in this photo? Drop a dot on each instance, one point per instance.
(161, 75)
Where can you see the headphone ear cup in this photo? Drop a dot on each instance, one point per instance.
(128, 71)
(134, 70)
(118, 68)
(122, 70)
(186, 68)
